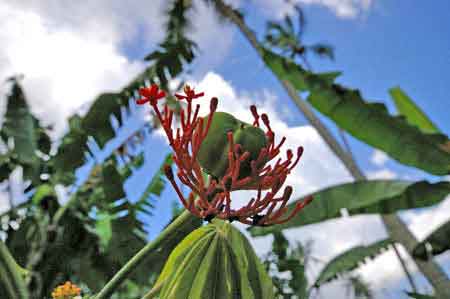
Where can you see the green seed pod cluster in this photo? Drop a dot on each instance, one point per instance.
(214, 262)
(213, 153)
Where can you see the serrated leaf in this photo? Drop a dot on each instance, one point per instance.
(363, 197)
(439, 240)
(350, 260)
(414, 115)
(369, 122)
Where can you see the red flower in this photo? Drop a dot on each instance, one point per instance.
(212, 198)
(150, 94)
(189, 94)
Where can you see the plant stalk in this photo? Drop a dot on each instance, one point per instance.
(123, 273)
(11, 276)
(398, 231)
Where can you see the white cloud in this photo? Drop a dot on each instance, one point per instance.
(379, 158)
(341, 8)
(69, 53)
(63, 67)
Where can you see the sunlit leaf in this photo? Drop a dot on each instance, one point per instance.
(414, 115)
(364, 197)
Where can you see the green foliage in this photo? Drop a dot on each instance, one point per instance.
(19, 126)
(439, 240)
(11, 280)
(350, 260)
(369, 122)
(27, 137)
(287, 37)
(414, 115)
(361, 289)
(287, 261)
(215, 261)
(364, 197)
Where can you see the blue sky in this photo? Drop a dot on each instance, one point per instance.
(378, 44)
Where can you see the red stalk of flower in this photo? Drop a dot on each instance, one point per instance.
(214, 196)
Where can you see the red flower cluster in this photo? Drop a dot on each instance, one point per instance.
(212, 198)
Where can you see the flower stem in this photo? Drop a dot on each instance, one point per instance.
(123, 273)
(11, 276)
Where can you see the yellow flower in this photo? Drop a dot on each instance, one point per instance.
(66, 291)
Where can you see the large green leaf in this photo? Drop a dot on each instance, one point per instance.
(349, 260)
(70, 153)
(369, 122)
(414, 115)
(19, 125)
(96, 122)
(364, 197)
(439, 241)
(215, 261)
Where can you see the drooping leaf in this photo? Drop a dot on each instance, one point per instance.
(419, 296)
(414, 115)
(19, 125)
(369, 122)
(70, 153)
(364, 197)
(96, 122)
(350, 260)
(439, 240)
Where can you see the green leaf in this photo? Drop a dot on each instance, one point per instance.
(363, 197)
(439, 241)
(419, 296)
(350, 260)
(70, 153)
(11, 275)
(214, 262)
(369, 122)
(19, 125)
(42, 192)
(112, 182)
(96, 122)
(103, 228)
(414, 115)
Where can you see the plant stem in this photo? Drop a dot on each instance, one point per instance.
(120, 276)
(397, 230)
(10, 275)
(154, 291)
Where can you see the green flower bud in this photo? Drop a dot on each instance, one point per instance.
(213, 153)
(215, 262)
